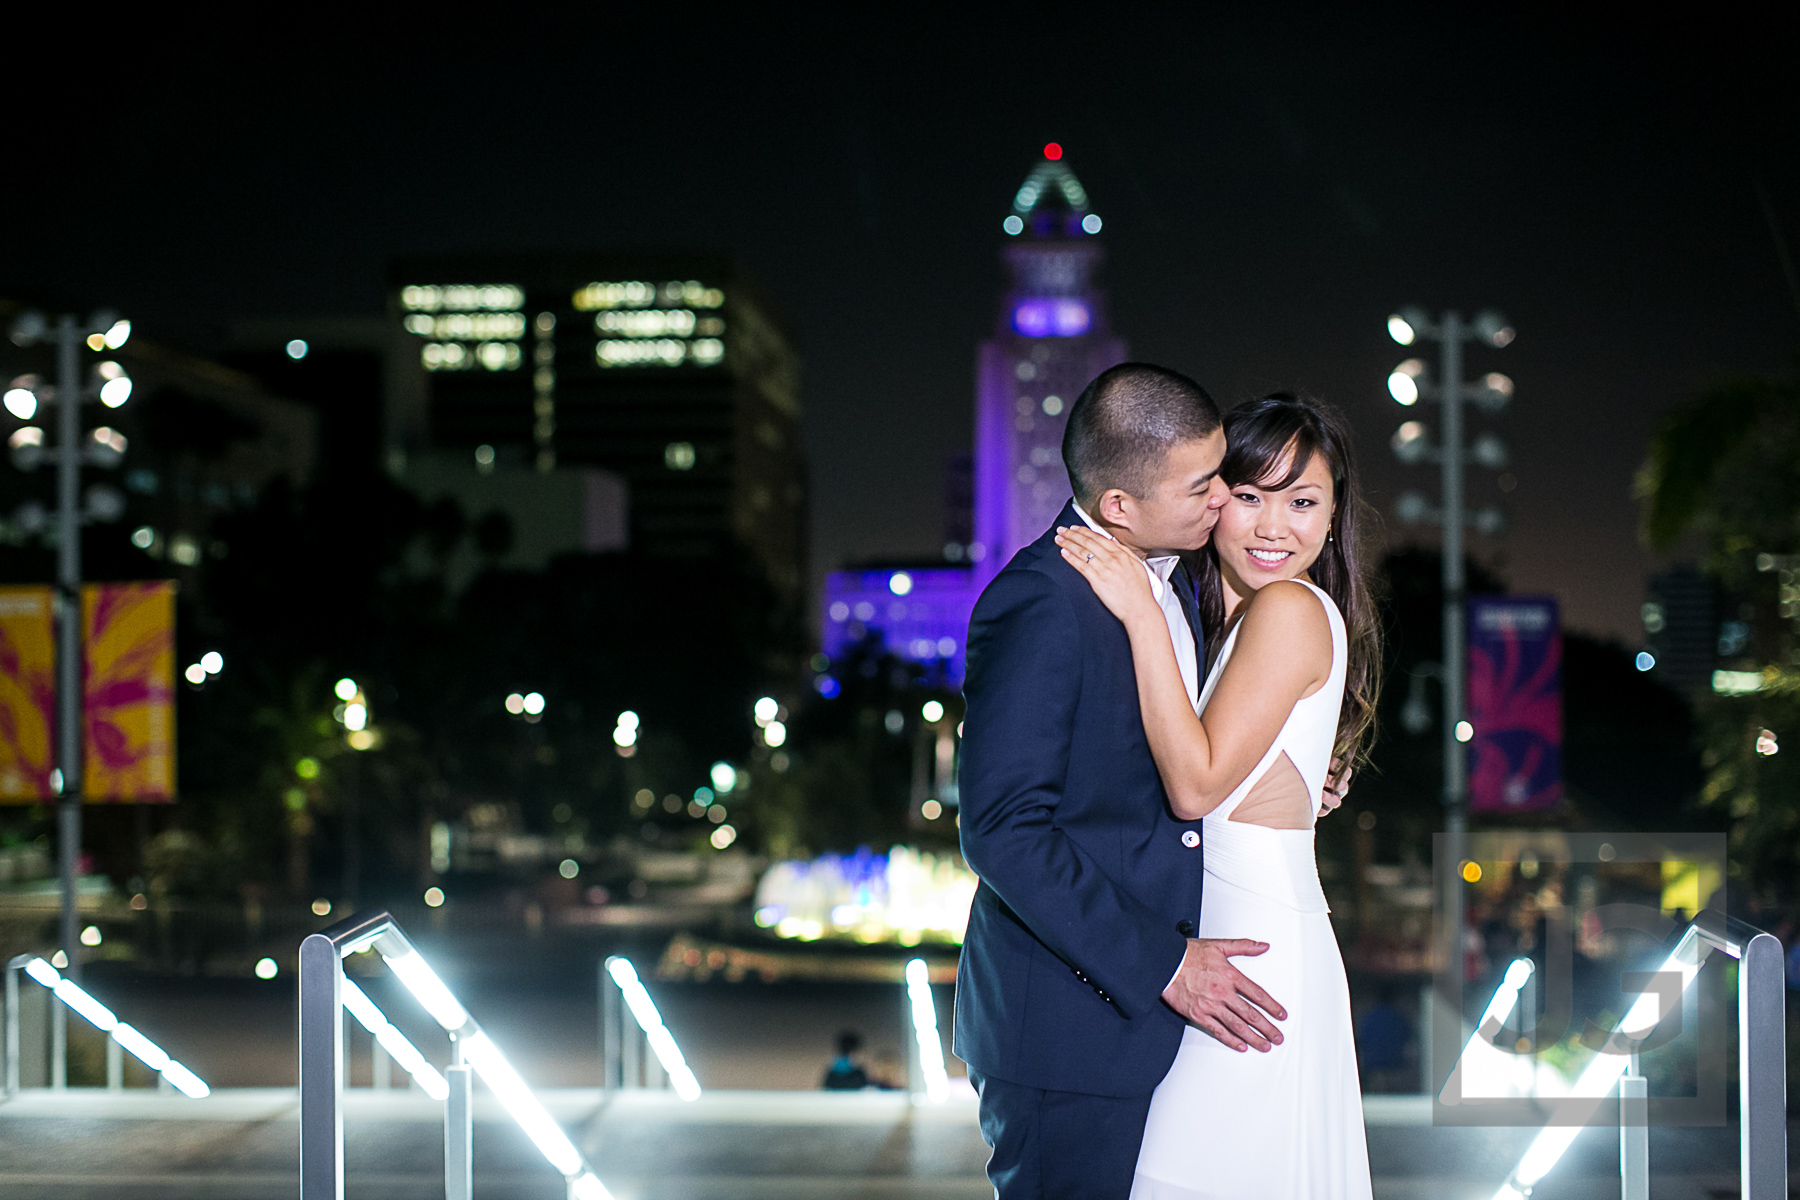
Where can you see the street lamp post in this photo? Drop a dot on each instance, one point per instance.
(1409, 383)
(102, 331)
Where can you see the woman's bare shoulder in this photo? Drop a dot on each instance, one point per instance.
(1284, 611)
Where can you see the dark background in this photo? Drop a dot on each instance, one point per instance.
(1272, 184)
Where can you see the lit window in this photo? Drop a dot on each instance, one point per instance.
(500, 356)
(628, 294)
(662, 352)
(1051, 317)
(646, 323)
(435, 298)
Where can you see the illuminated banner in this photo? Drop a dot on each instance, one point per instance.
(27, 694)
(129, 632)
(1515, 703)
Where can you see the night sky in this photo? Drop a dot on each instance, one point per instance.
(1273, 186)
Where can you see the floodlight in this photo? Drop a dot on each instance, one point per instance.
(104, 504)
(29, 327)
(1492, 328)
(1409, 442)
(21, 403)
(1413, 509)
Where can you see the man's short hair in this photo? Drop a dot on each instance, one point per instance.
(1124, 424)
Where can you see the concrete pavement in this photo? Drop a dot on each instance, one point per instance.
(728, 1145)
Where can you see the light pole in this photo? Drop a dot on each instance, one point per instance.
(112, 387)
(1409, 383)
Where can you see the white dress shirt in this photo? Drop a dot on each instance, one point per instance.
(1180, 634)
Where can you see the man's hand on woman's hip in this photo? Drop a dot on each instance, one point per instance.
(1211, 993)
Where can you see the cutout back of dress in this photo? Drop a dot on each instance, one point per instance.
(1310, 731)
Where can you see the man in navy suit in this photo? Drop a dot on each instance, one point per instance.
(1080, 965)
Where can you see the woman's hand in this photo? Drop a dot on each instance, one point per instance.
(1117, 575)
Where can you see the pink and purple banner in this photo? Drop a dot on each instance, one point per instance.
(1515, 704)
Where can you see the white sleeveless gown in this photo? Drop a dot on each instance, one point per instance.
(1286, 1125)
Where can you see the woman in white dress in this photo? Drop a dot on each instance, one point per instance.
(1288, 617)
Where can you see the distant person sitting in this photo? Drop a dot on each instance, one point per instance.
(1381, 1043)
(846, 1074)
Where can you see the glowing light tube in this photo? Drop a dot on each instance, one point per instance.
(655, 1032)
(1602, 1073)
(424, 984)
(1499, 1009)
(925, 1031)
(403, 1051)
(533, 1118)
(102, 1018)
(478, 1051)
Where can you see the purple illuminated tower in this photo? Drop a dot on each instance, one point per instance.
(1051, 338)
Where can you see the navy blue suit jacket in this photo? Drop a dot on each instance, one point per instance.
(1088, 892)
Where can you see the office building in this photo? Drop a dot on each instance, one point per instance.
(665, 382)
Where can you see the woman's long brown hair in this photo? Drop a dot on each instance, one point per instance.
(1258, 436)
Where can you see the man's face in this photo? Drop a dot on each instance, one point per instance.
(1179, 512)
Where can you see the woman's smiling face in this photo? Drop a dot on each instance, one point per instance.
(1266, 533)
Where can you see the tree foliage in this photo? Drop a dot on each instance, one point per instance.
(1725, 466)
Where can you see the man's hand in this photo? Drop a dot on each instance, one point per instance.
(1221, 999)
(1337, 784)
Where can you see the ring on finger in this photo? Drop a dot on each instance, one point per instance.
(1090, 556)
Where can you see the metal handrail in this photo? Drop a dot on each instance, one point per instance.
(1762, 1067)
(120, 1036)
(321, 1064)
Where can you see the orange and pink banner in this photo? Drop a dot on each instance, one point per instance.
(27, 695)
(128, 702)
(128, 634)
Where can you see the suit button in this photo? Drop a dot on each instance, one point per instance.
(1190, 839)
(1184, 928)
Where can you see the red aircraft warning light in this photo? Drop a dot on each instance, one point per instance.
(1053, 151)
